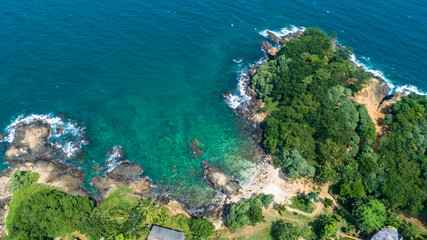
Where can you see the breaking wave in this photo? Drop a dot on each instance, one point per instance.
(66, 135)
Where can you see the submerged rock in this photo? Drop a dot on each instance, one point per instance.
(31, 142)
(196, 148)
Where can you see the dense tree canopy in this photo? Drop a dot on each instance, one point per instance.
(41, 212)
(371, 214)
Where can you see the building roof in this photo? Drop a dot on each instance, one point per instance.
(386, 234)
(159, 233)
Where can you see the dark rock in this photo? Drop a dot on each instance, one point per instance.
(1, 136)
(125, 172)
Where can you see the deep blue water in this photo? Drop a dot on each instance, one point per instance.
(148, 75)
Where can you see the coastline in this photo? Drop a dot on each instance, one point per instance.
(267, 178)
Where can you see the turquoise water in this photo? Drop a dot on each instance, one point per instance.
(148, 76)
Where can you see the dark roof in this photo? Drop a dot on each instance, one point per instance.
(386, 234)
(159, 233)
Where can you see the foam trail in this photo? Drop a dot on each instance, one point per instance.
(65, 135)
(114, 158)
(406, 89)
(283, 32)
(241, 96)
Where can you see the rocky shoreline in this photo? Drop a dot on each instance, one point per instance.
(31, 150)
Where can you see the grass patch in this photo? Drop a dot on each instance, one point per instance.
(262, 230)
(119, 198)
(302, 203)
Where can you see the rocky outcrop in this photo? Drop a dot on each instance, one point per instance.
(288, 37)
(55, 174)
(31, 142)
(269, 49)
(380, 90)
(220, 181)
(265, 46)
(124, 174)
(273, 37)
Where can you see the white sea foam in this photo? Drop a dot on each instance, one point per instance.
(406, 89)
(65, 135)
(240, 95)
(282, 32)
(375, 73)
(114, 158)
(238, 60)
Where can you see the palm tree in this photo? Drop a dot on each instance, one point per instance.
(149, 212)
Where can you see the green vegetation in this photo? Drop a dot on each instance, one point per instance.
(371, 214)
(294, 164)
(248, 212)
(315, 124)
(281, 230)
(21, 179)
(327, 227)
(402, 152)
(41, 212)
(302, 202)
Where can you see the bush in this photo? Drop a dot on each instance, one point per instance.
(281, 208)
(328, 202)
(201, 228)
(248, 212)
(21, 179)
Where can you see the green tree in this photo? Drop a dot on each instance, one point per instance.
(201, 228)
(328, 226)
(281, 230)
(371, 214)
(294, 164)
(41, 212)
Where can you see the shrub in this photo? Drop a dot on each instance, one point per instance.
(21, 179)
(201, 228)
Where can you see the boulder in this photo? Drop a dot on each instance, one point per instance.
(380, 90)
(31, 142)
(125, 171)
(220, 181)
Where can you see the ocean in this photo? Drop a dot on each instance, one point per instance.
(149, 75)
